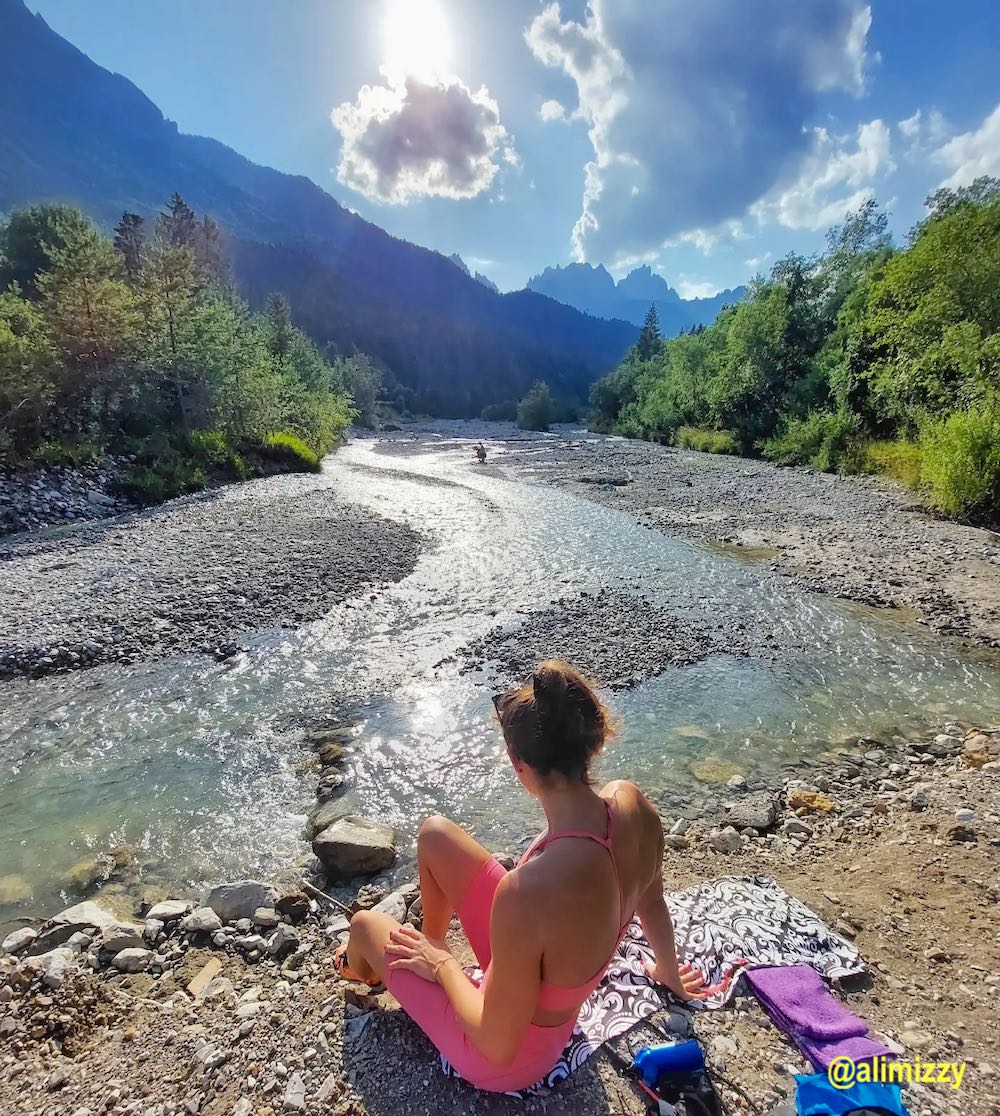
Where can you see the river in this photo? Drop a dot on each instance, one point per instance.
(192, 770)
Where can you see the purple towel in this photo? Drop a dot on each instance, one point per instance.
(798, 1002)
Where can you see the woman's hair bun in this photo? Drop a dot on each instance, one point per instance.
(556, 722)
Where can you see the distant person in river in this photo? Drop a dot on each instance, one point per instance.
(544, 932)
(481, 453)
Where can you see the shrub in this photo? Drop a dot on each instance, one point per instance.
(171, 475)
(77, 452)
(707, 441)
(536, 410)
(825, 439)
(960, 463)
(209, 447)
(288, 450)
(899, 460)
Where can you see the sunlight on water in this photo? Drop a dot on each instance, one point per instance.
(190, 769)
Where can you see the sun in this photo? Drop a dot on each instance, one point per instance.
(417, 40)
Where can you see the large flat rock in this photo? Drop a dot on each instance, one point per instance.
(354, 846)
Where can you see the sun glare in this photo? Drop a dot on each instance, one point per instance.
(417, 40)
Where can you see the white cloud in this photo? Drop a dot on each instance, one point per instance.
(755, 262)
(695, 288)
(694, 110)
(972, 154)
(412, 139)
(923, 132)
(834, 179)
(552, 110)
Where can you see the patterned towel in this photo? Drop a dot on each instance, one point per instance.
(722, 927)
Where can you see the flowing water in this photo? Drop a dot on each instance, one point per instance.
(190, 770)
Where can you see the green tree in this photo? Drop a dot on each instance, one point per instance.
(130, 244)
(649, 336)
(29, 239)
(536, 411)
(29, 370)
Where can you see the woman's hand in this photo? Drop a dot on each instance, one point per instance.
(684, 981)
(409, 949)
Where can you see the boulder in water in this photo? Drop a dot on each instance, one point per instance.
(354, 846)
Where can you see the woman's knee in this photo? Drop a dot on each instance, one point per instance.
(436, 831)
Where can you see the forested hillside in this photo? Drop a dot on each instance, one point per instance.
(92, 139)
(867, 358)
(140, 346)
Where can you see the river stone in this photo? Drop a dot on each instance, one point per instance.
(393, 905)
(54, 966)
(355, 846)
(19, 940)
(283, 942)
(713, 769)
(795, 827)
(725, 841)
(122, 935)
(132, 960)
(324, 816)
(202, 920)
(170, 910)
(757, 811)
(61, 927)
(233, 901)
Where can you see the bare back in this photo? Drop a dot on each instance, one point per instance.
(570, 896)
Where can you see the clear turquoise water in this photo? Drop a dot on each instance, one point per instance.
(192, 766)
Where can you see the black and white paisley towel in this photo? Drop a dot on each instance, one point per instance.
(722, 927)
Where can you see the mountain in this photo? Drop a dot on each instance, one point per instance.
(72, 131)
(594, 291)
(479, 277)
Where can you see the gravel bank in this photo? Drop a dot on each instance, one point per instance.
(608, 635)
(196, 574)
(862, 538)
(903, 862)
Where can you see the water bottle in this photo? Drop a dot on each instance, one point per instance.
(653, 1062)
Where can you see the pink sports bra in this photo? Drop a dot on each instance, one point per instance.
(558, 998)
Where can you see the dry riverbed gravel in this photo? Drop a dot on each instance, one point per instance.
(197, 574)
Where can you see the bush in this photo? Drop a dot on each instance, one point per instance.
(707, 441)
(288, 450)
(960, 464)
(79, 452)
(171, 475)
(209, 447)
(536, 410)
(899, 460)
(827, 440)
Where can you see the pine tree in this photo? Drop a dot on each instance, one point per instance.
(130, 243)
(649, 336)
(180, 224)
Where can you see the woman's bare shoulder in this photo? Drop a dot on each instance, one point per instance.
(626, 795)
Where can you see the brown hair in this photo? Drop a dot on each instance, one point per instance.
(555, 722)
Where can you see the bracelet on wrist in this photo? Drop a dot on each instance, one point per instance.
(441, 963)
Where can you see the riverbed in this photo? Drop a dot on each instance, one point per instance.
(160, 775)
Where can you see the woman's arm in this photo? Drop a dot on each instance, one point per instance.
(496, 1016)
(684, 981)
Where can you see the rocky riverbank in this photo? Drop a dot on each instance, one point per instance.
(61, 494)
(195, 575)
(862, 538)
(227, 1003)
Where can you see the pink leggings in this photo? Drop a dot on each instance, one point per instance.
(428, 1005)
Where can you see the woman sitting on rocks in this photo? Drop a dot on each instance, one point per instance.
(545, 932)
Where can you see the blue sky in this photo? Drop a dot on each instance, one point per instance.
(704, 138)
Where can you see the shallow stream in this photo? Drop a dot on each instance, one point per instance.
(188, 770)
